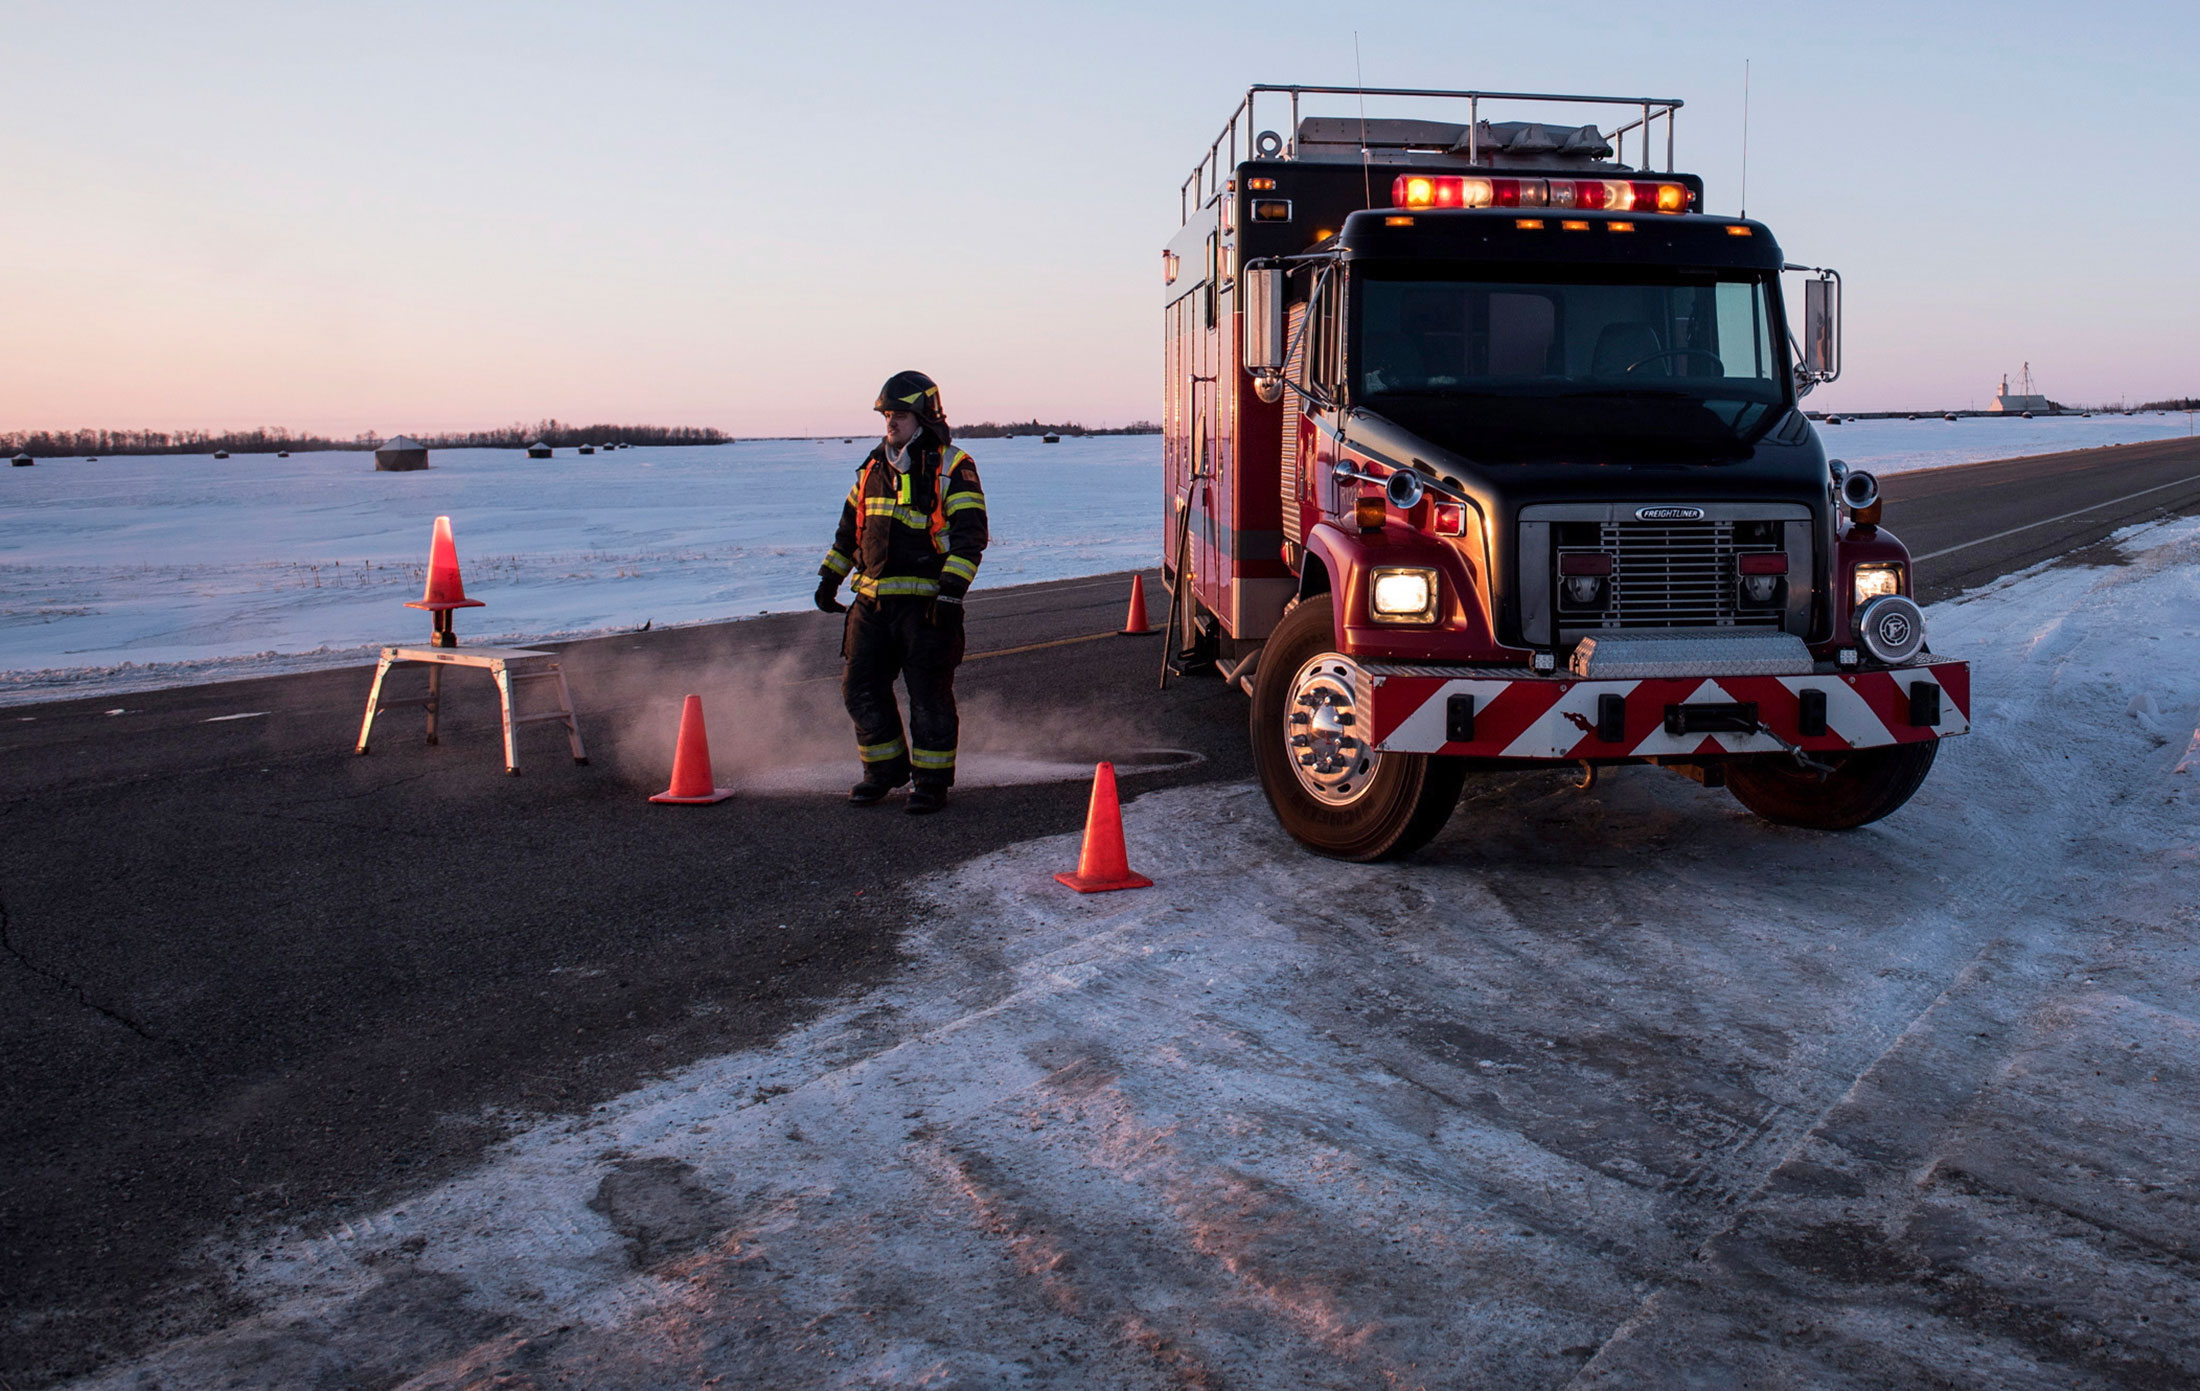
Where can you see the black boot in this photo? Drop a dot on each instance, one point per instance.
(877, 782)
(926, 798)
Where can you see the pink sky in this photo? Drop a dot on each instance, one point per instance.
(419, 218)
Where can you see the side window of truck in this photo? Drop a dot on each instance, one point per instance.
(1209, 293)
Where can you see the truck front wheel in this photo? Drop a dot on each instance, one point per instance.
(1331, 788)
(1865, 784)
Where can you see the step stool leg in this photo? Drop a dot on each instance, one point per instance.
(374, 699)
(572, 725)
(504, 705)
(435, 698)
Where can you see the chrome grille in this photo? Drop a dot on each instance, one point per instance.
(1674, 575)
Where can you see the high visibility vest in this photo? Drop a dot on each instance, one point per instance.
(951, 458)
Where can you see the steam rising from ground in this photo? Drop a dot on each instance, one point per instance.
(777, 726)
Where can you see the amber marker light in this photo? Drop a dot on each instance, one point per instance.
(1571, 226)
(1528, 224)
(1739, 232)
(1397, 222)
(1621, 226)
(1261, 185)
(1368, 513)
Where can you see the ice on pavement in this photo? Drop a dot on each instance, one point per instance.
(131, 573)
(1554, 1100)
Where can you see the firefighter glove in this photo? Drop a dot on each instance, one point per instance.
(828, 590)
(944, 613)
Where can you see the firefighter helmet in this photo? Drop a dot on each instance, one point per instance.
(917, 394)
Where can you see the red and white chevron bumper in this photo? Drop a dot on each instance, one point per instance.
(1419, 709)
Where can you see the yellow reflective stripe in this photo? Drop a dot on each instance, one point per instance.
(897, 588)
(855, 494)
(908, 516)
(880, 753)
(961, 567)
(932, 758)
(964, 501)
(837, 563)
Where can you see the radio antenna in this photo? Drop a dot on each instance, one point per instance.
(1367, 180)
(1745, 137)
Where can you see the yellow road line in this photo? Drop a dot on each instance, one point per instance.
(1037, 646)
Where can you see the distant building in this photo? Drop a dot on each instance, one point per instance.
(401, 455)
(2007, 402)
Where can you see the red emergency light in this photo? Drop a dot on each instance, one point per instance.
(1476, 191)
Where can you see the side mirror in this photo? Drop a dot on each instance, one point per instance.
(1260, 293)
(1822, 328)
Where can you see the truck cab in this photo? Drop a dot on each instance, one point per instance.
(1484, 448)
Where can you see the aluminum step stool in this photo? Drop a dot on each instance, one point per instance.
(507, 664)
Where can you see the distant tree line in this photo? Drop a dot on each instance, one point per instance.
(63, 444)
(987, 429)
(559, 434)
(66, 443)
(2182, 403)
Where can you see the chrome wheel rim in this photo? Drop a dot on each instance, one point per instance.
(1325, 731)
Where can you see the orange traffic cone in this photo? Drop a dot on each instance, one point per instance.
(1103, 864)
(691, 779)
(1135, 623)
(445, 590)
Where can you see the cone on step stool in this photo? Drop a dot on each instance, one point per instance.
(1103, 864)
(445, 590)
(691, 776)
(1134, 623)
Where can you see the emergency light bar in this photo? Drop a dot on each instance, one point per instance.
(1471, 191)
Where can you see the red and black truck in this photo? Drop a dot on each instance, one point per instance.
(1483, 451)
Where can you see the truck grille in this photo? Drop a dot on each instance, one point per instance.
(1674, 575)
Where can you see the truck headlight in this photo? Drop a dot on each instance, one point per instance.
(1404, 595)
(1872, 581)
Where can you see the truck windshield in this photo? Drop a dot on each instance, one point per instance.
(1632, 361)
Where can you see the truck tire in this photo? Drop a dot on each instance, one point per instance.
(1864, 785)
(1348, 801)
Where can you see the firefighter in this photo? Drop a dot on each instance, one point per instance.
(911, 532)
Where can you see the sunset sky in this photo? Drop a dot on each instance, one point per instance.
(426, 217)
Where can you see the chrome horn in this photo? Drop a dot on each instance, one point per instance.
(1404, 489)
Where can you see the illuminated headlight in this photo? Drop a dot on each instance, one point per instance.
(1872, 581)
(1891, 628)
(1404, 596)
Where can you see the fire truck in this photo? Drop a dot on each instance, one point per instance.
(1484, 451)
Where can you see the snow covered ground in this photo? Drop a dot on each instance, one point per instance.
(1898, 446)
(1599, 1089)
(132, 573)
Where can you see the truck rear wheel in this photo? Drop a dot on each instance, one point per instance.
(1332, 789)
(1864, 785)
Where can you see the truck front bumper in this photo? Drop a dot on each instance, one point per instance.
(1486, 713)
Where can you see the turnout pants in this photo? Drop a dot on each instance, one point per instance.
(887, 638)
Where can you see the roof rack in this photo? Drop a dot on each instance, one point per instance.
(1205, 182)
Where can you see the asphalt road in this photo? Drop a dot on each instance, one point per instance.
(252, 978)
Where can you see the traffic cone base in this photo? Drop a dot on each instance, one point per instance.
(445, 590)
(1134, 622)
(691, 775)
(1103, 865)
